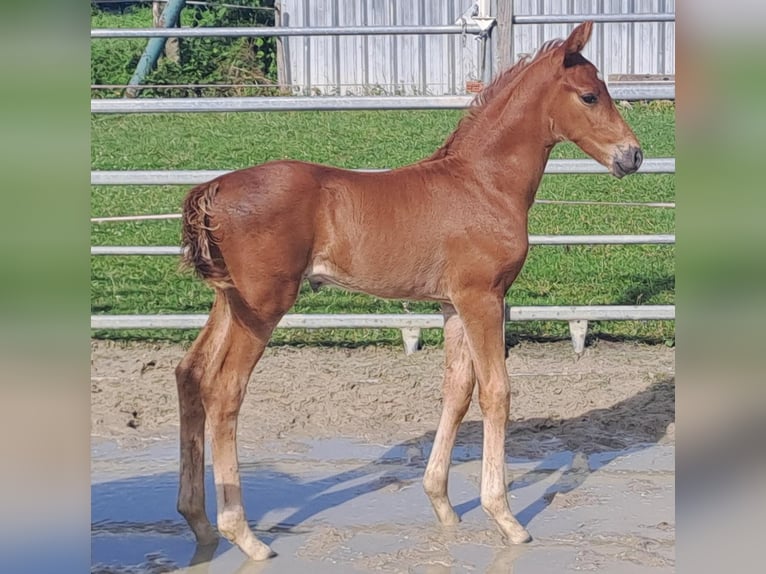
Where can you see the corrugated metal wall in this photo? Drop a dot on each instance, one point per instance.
(442, 64)
(378, 64)
(637, 48)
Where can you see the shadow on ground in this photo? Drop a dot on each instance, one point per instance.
(575, 447)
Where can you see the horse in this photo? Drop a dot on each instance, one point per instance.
(451, 228)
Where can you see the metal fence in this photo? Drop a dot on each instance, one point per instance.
(638, 38)
(410, 325)
(628, 91)
(436, 47)
(194, 177)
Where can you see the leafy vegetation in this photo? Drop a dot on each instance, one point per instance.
(221, 61)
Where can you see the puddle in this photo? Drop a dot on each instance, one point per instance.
(344, 506)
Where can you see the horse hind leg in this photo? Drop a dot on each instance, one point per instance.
(459, 380)
(247, 334)
(196, 364)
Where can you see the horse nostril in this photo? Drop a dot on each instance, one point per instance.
(638, 157)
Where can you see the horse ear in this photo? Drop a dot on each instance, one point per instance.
(578, 38)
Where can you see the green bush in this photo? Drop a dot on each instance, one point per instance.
(222, 61)
(112, 62)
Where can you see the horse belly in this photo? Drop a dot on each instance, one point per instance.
(389, 286)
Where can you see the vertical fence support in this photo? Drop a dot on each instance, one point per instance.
(486, 22)
(172, 45)
(412, 339)
(504, 35)
(284, 76)
(578, 330)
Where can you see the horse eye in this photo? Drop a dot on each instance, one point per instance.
(589, 99)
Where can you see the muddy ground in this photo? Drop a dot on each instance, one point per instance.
(613, 396)
(596, 432)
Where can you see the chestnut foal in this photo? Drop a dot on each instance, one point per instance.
(451, 228)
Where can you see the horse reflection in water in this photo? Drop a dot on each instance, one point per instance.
(451, 228)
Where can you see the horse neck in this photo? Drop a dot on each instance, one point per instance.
(510, 145)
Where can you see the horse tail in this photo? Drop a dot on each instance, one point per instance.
(200, 250)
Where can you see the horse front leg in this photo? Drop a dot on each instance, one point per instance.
(482, 315)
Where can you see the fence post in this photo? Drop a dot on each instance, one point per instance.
(283, 60)
(412, 339)
(504, 54)
(578, 330)
(172, 45)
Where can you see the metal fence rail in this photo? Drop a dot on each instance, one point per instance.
(627, 91)
(194, 177)
(397, 321)
(269, 31)
(596, 18)
(660, 239)
(411, 324)
(167, 216)
(264, 31)
(216, 4)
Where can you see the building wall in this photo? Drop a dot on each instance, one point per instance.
(636, 48)
(442, 64)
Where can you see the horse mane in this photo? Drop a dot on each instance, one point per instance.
(486, 96)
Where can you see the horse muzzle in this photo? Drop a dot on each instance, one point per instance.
(627, 161)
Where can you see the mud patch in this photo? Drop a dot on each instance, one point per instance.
(613, 396)
(333, 443)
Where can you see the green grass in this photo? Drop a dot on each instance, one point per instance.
(579, 275)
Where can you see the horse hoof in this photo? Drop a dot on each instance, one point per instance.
(260, 552)
(521, 537)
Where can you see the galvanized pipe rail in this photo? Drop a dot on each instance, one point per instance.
(627, 91)
(659, 239)
(168, 216)
(411, 324)
(268, 31)
(396, 320)
(194, 177)
(596, 18)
